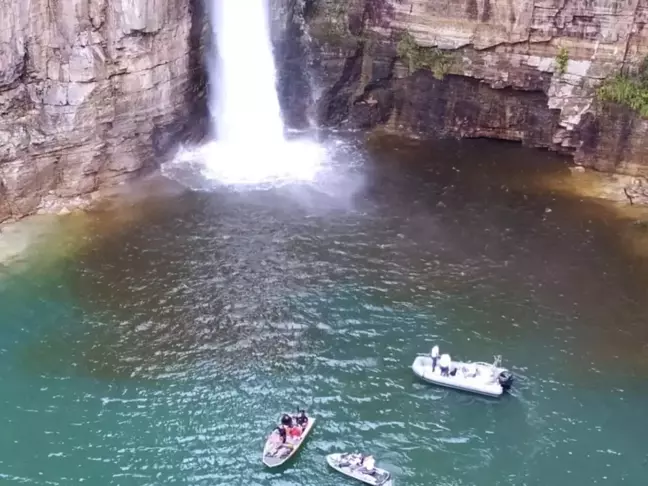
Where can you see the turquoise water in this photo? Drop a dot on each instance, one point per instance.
(162, 350)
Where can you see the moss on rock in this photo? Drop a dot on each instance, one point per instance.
(419, 57)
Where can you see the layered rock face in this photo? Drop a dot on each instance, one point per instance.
(93, 92)
(511, 69)
(90, 93)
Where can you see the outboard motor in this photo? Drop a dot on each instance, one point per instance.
(505, 379)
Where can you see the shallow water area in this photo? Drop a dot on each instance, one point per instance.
(42, 238)
(163, 349)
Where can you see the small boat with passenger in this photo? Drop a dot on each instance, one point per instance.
(286, 439)
(359, 467)
(476, 377)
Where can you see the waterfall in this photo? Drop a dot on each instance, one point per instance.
(244, 100)
(248, 146)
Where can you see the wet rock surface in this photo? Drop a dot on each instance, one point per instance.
(513, 70)
(91, 94)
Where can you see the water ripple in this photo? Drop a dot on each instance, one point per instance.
(181, 340)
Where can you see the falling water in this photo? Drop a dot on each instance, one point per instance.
(249, 145)
(244, 100)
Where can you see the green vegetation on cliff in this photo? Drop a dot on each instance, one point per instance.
(419, 57)
(562, 58)
(628, 89)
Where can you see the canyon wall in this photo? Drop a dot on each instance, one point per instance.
(510, 69)
(91, 93)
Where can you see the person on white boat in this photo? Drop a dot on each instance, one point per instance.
(286, 420)
(369, 465)
(470, 370)
(355, 459)
(444, 364)
(302, 419)
(351, 460)
(294, 432)
(281, 432)
(434, 354)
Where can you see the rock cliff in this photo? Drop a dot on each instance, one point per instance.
(93, 92)
(90, 93)
(510, 69)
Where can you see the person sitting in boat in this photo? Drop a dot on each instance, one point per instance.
(294, 431)
(302, 419)
(470, 370)
(353, 459)
(434, 354)
(356, 459)
(444, 364)
(286, 420)
(369, 465)
(281, 430)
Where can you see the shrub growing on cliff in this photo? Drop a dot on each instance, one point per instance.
(419, 57)
(562, 58)
(628, 89)
(625, 90)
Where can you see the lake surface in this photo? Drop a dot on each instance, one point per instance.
(160, 350)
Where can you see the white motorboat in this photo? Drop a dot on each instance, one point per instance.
(476, 377)
(351, 465)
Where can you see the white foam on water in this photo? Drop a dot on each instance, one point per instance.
(251, 165)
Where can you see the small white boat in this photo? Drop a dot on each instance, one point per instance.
(351, 465)
(275, 453)
(477, 377)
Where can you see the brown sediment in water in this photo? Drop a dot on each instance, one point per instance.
(598, 196)
(602, 198)
(43, 238)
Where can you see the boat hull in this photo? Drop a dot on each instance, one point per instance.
(422, 367)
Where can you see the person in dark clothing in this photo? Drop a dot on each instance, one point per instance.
(286, 420)
(282, 433)
(302, 419)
